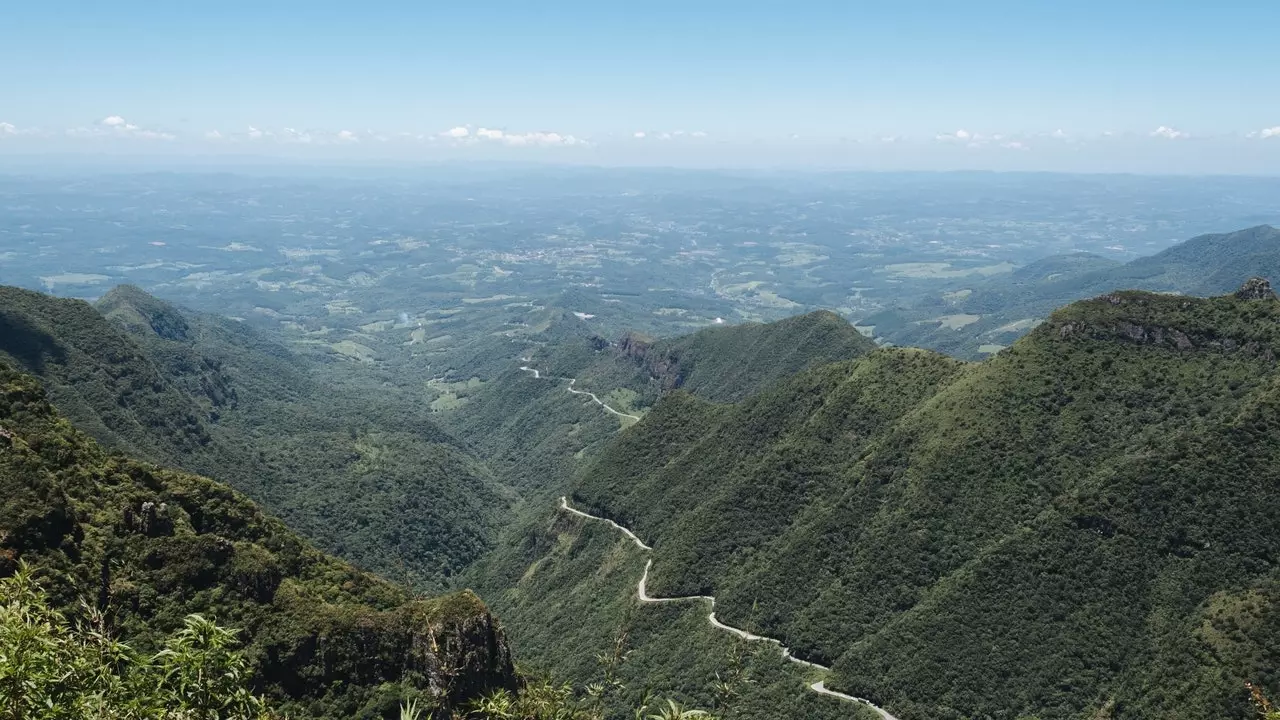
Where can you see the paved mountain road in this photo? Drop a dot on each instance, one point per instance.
(598, 401)
(642, 593)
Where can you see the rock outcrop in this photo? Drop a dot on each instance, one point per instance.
(1256, 288)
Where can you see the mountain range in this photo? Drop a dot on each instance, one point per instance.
(975, 320)
(1081, 525)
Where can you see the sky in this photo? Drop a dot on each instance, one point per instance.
(1117, 86)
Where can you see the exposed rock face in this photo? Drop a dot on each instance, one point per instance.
(664, 367)
(1175, 322)
(457, 652)
(1256, 288)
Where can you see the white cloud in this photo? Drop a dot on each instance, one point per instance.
(117, 126)
(639, 135)
(8, 129)
(347, 136)
(541, 138)
(1058, 134)
(698, 134)
(213, 135)
(152, 134)
(1169, 133)
(511, 139)
(1015, 145)
(957, 136)
(254, 133)
(1264, 133)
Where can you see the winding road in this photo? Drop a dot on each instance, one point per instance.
(538, 375)
(643, 594)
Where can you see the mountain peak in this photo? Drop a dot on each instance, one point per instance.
(137, 311)
(1256, 288)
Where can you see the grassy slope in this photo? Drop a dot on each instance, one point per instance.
(151, 545)
(1049, 532)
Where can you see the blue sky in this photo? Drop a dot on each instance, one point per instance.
(1120, 85)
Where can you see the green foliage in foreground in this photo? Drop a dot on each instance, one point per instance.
(54, 669)
(545, 700)
(150, 546)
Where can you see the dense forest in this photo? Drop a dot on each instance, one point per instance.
(365, 473)
(145, 547)
(1079, 525)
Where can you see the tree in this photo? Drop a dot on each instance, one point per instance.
(54, 669)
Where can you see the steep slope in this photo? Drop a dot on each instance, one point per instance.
(149, 546)
(539, 435)
(720, 364)
(1082, 525)
(1008, 307)
(98, 378)
(367, 476)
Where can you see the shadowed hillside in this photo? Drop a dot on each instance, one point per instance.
(367, 476)
(149, 546)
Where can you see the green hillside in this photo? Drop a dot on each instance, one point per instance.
(1082, 526)
(1003, 309)
(720, 364)
(536, 435)
(149, 546)
(357, 467)
(549, 573)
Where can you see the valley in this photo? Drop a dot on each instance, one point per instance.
(1020, 481)
(666, 361)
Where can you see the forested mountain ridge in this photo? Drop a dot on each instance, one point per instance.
(720, 364)
(1002, 309)
(533, 430)
(148, 546)
(98, 377)
(366, 475)
(1083, 524)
